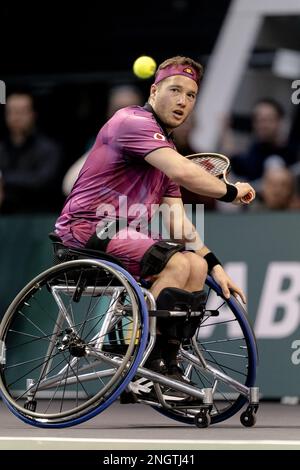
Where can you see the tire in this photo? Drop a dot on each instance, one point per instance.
(56, 368)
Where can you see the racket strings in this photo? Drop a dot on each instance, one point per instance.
(213, 165)
(217, 165)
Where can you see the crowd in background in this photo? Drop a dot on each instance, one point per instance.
(34, 177)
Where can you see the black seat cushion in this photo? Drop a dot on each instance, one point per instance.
(66, 253)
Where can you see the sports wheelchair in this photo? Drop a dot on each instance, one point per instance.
(77, 336)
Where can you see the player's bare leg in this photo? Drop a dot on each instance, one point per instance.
(175, 274)
(198, 272)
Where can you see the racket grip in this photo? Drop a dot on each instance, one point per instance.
(248, 197)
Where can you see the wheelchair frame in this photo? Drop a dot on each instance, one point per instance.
(134, 317)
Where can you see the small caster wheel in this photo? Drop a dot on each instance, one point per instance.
(203, 419)
(248, 419)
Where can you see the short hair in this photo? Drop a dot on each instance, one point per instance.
(181, 60)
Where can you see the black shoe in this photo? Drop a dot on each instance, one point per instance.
(127, 397)
(157, 365)
(176, 373)
(143, 388)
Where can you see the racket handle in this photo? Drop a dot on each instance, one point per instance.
(248, 197)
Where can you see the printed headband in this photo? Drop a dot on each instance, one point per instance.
(185, 70)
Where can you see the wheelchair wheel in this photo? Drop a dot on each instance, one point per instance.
(70, 342)
(224, 343)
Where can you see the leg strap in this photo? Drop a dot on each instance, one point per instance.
(172, 298)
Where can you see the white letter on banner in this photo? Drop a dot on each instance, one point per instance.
(295, 358)
(275, 297)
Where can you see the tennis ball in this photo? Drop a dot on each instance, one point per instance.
(144, 67)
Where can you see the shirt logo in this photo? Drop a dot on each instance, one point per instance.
(188, 70)
(158, 136)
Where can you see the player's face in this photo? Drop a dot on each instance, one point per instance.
(173, 99)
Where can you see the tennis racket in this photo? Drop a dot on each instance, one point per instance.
(217, 165)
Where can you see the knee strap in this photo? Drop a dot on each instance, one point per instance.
(157, 256)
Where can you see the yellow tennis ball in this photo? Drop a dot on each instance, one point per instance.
(144, 67)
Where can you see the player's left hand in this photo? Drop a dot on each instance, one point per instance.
(226, 283)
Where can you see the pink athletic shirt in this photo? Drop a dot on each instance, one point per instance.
(115, 171)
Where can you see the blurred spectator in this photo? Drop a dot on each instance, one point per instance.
(277, 190)
(29, 161)
(269, 145)
(182, 139)
(119, 97)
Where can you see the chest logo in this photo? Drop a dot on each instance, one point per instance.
(158, 136)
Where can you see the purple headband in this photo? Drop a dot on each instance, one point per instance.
(185, 70)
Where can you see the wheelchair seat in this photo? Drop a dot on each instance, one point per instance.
(67, 253)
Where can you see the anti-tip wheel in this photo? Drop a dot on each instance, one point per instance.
(203, 419)
(248, 419)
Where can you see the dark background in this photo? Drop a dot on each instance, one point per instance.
(107, 36)
(69, 56)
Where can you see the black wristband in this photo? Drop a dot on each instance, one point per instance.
(211, 260)
(230, 195)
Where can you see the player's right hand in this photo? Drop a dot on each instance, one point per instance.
(245, 195)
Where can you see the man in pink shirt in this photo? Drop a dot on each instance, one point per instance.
(132, 168)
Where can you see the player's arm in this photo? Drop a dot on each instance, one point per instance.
(178, 224)
(181, 228)
(190, 176)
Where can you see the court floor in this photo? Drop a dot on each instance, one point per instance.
(141, 427)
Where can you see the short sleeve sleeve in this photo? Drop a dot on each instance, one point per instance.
(140, 135)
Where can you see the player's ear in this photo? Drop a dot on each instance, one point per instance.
(153, 90)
